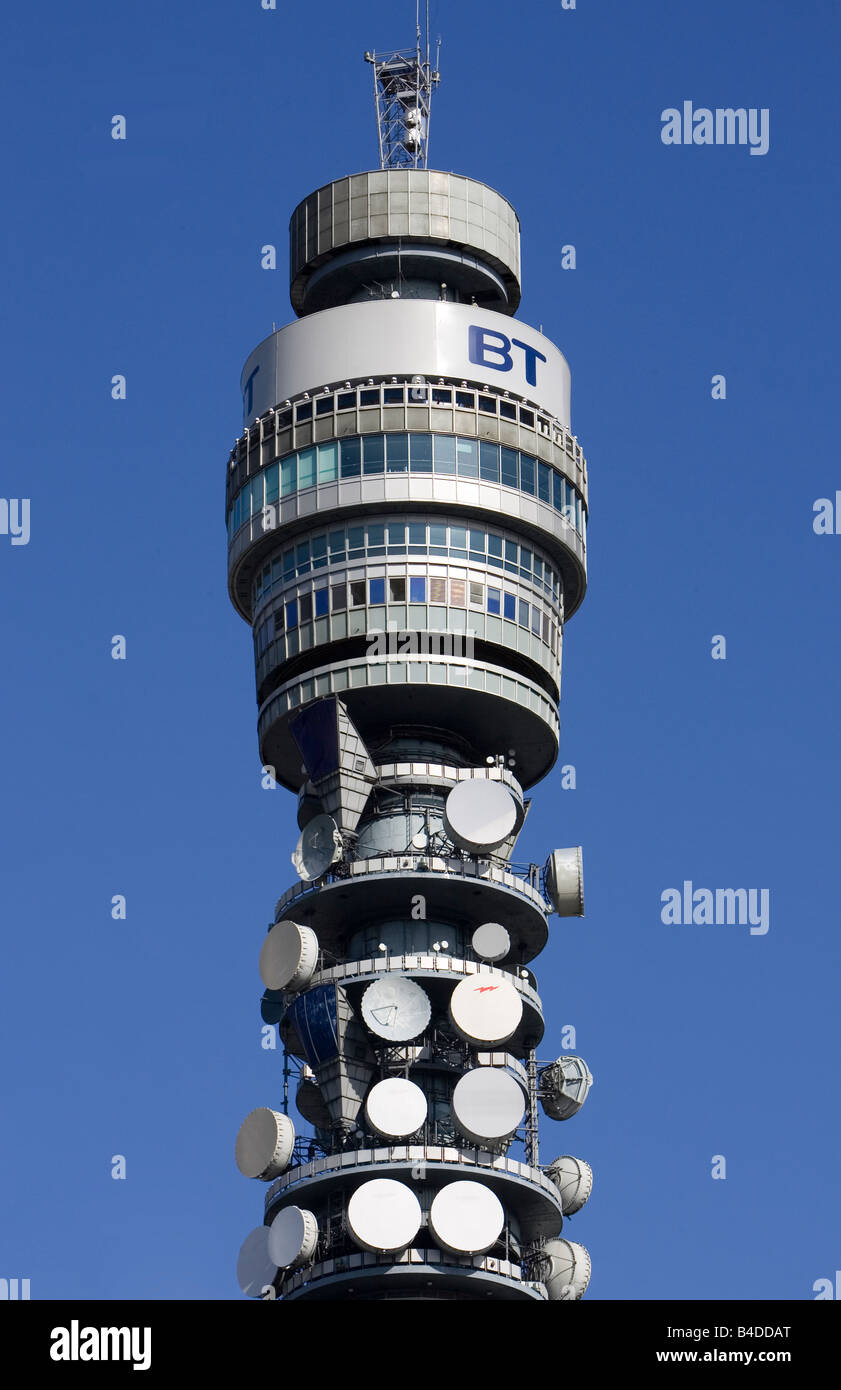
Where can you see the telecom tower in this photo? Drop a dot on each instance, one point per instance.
(406, 535)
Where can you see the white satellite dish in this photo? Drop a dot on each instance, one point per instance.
(395, 1008)
(568, 1271)
(573, 1179)
(255, 1269)
(288, 957)
(466, 1218)
(293, 1236)
(395, 1107)
(479, 814)
(264, 1144)
(384, 1215)
(491, 942)
(319, 846)
(488, 1104)
(565, 1086)
(564, 875)
(485, 1009)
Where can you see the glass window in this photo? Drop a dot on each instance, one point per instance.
(511, 556)
(489, 461)
(292, 613)
(306, 468)
(509, 467)
(508, 410)
(346, 400)
(535, 619)
(546, 629)
(321, 597)
(477, 594)
(457, 593)
(527, 473)
(437, 590)
(488, 404)
(445, 453)
(370, 397)
(509, 606)
(493, 600)
(278, 618)
(288, 564)
(495, 549)
(538, 568)
(373, 454)
(336, 541)
(525, 562)
(302, 557)
(393, 395)
(377, 587)
(356, 542)
(272, 483)
(357, 594)
(417, 589)
(420, 453)
(396, 532)
(277, 571)
(569, 504)
(324, 405)
(465, 400)
(524, 613)
(441, 396)
(477, 542)
(397, 447)
(458, 537)
(289, 475)
(338, 596)
(351, 457)
(417, 537)
(527, 418)
(306, 608)
(397, 590)
(557, 491)
(376, 540)
(328, 462)
(468, 458)
(303, 411)
(544, 482)
(437, 538)
(319, 552)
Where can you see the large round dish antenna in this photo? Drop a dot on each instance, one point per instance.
(288, 957)
(264, 1144)
(479, 814)
(319, 846)
(491, 942)
(573, 1179)
(564, 1087)
(466, 1218)
(255, 1269)
(310, 1101)
(395, 1008)
(384, 1215)
(564, 877)
(488, 1105)
(485, 1009)
(395, 1108)
(565, 1269)
(293, 1236)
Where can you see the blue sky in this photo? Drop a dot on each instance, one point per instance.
(140, 777)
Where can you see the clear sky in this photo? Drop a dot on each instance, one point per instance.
(141, 777)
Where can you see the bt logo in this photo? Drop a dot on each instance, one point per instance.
(487, 348)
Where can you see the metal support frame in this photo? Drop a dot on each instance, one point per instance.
(403, 83)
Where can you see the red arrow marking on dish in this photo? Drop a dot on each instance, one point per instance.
(482, 988)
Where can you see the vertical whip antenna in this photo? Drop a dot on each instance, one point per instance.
(403, 83)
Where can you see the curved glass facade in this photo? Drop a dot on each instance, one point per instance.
(444, 455)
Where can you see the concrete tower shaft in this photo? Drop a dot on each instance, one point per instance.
(406, 512)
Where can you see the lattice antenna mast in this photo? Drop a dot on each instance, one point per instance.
(403, 83)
